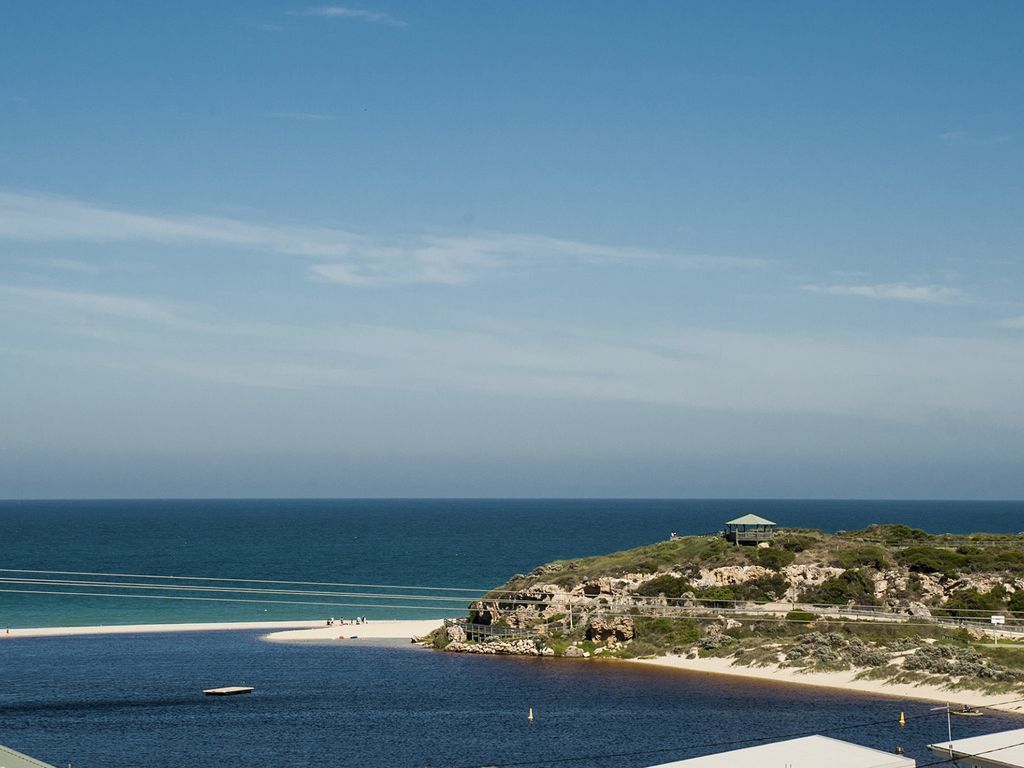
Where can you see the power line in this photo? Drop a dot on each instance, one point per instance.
(236, 590)
(219, 599)
(247, 581)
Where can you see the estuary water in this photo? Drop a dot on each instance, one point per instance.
(135, 700)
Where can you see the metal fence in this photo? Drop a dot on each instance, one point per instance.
(481, 633)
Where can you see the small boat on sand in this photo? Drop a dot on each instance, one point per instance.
(230, 690)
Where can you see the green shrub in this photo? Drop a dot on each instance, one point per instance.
(1016, 602)
(853, 586)
(664, 634)
(669, 586)
(932, 560)
(716, 597)
(973, 600)
(766, 588)
(800, 616)
(794, 542)
(770, 557)
(864, 555)
(890, 533)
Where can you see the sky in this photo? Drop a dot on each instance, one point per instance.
(584, 249)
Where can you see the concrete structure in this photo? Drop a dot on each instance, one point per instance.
(1003, 749)
(807, 752)
(11, 759)
(749, 529)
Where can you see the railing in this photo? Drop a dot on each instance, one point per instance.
(481, 633)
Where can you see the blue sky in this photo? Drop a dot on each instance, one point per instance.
(511, 249)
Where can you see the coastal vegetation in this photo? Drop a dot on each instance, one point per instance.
(888, 602)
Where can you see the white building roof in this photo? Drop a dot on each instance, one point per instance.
(11, 759)
(1004, 748)
(750, 520)
(807, 752)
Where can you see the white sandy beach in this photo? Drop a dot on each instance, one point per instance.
(135, 629)
(371, 630)
(291, 631)
(845, 681)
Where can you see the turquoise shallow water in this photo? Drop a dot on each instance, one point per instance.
(434, 543)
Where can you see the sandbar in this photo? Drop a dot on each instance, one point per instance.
(136, 629)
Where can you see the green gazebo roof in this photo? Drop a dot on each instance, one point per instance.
(750, 520)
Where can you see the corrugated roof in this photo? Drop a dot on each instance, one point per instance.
(808, 752)
(11, 759)
(750, 520)
(1001, 748)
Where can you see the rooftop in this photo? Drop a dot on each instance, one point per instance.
(750, 520)
(806, 752)
(11, 759)
(1004, 748)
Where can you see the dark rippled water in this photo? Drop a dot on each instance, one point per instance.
(461, 543)
(135, 700)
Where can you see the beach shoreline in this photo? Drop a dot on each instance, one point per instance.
(279, 631)
(840, 681)
(379, 629)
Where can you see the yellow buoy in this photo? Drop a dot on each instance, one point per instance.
(530, 716)
(903, 720)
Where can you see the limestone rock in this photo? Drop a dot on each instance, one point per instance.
(603, 629)
(455, 633)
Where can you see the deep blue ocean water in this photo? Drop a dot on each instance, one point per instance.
(433, 543)
(134, 700)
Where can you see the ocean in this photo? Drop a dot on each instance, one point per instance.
(474, 544)
(135, 700)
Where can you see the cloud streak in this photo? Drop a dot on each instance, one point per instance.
(360, 14)
(917, 294)
(304, 117)
(906, 379)
(335, 255)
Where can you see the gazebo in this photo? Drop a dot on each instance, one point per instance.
(749, 529)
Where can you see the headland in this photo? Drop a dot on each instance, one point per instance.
(887, 609)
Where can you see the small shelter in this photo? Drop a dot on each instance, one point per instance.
(749, 529)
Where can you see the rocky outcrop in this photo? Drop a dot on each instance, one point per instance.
(521, 647)
(610, 629)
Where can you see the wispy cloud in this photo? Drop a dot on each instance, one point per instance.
(337, 255)
(339, 11)
(920, 294)
(309, 117)
(1016, 323)
(893, 378)
(971, 139)
(102, 304)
